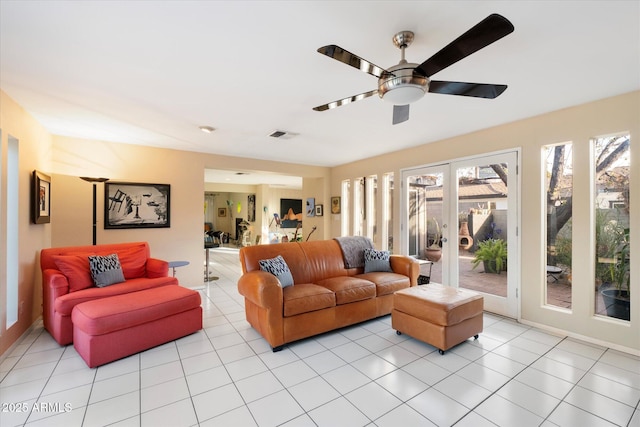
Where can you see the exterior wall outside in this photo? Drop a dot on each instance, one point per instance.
(575, 124)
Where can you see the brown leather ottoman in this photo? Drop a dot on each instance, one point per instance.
(438, 315)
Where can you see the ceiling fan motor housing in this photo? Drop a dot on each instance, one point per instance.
(401, 85)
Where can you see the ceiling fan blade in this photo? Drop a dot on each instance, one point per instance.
(400, 113)
(478, 90)
(339, 54)
(489, 30)
(344, 101)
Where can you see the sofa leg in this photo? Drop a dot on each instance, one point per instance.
(278, 348)
(441, 352)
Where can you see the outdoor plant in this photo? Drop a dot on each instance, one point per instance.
(435, 244)
(619, 269)
(493, 254)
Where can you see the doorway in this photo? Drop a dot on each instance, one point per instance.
(454, 213)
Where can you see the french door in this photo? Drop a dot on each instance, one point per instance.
(454, 212)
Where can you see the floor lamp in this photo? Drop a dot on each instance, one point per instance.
(94, 181)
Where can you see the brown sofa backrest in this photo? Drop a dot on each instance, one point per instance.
(308, 261)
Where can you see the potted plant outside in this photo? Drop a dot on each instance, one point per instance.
(433, 252)
(617, 299)
(492, 253)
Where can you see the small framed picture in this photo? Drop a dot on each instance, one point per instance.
(41, 198)
(311, 204)
(335, 205)
(222, 212)
(319, 210)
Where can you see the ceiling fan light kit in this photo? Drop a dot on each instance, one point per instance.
(406, 82)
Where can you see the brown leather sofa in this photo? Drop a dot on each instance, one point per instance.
(325, 294)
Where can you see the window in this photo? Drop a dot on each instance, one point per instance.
(371, 200)
(387, 212)
(359, 212)
(611, 166)
(557, 162)
(345, 209)
(10, 227)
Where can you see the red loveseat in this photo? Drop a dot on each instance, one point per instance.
(67, 282)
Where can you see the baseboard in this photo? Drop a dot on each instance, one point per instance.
(591, 340)
(19, 341)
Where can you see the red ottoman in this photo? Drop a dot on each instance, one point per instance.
(108, 329)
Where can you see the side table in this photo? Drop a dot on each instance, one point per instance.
(175, 264)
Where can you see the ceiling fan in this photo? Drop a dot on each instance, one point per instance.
(407, 82)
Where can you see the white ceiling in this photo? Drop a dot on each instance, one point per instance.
(151, 72)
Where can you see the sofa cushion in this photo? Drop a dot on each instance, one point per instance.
(133, 260)
(76, 269)
(376, 261)
(65, 303)
(306, 297)
(136, 308)
(279, 268)
(386, 283)
(349, 288)
(105, 270)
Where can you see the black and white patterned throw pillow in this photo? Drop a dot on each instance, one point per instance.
(106, 270)
(279, 268)
(376, 261)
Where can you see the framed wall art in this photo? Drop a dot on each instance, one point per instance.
(311, 206)
(319, 210)
(251, 208)
(290, 212)
(41, 198)
(136, 205)
(222, 212)
(335, 205)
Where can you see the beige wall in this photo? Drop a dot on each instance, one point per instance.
(68, 158)
(184, 171)
(34, 154)
(578, 124)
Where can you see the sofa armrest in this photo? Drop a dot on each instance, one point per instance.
(54, 285)
(157, 268)
(262, 289)
(407, 266)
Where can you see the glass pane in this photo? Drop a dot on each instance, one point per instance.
(482, 228)
(359, 213)
(612, 227)
(387, 212)
(372, 200)
(345, 209)
(425, 218)
(558, 169)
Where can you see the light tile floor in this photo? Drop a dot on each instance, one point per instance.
(365, 375)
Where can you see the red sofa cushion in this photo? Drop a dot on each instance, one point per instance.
(75, 266)
(65, 303)
(100, 317)
(76, 270)
(133, 260)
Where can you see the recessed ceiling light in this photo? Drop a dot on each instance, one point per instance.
(207, 129)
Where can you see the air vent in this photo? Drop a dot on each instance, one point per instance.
(277, 134)
(282, 134)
